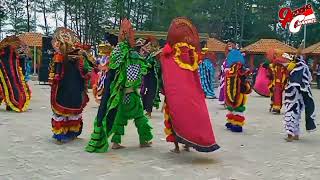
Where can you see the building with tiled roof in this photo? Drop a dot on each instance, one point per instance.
(312, 50)
(214, 45)
(32, 39)
(263, 45)
(157, 34)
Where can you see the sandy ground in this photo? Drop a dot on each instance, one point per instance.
(27, 150)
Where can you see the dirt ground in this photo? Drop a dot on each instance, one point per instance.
(27, 150)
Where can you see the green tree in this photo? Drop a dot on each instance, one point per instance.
(3, 17)
(17, 16)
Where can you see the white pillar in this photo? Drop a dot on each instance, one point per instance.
(305, 32)
(34, 60)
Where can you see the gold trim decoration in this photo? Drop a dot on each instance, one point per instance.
(178, 60)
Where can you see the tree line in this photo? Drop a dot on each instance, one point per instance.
(244, 21)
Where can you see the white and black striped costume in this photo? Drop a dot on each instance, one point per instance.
(298, 96)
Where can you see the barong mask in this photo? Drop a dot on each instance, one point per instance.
(19, 46)
(148, 46)
(105, 49)
(182, 30)
(183, 37)
(276, 56)
(65, 40)
(126, 32)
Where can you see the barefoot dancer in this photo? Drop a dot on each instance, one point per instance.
(187, 119)
(237, 89)
(298, 96)
(68, 78)
(121, 101)
(278, 80)
(151, 81)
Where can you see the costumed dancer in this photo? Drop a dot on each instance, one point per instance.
(298, 96)
(221, 88)
(121, 100)
(103, 62)
(69, 78)
(150, 88)
(237, 89)
(186, 116)
(14, 90)
(207, 73)
(25, 64)
(278, 79)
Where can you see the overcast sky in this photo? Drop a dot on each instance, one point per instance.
(39, 21)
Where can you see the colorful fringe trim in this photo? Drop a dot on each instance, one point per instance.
(172, 137)
(8, 98)
(99, 140)
(64, 111)
(168, 126)
(235, 119)
(66, 128)
(277, 85)
(207, 72)
(237, 89)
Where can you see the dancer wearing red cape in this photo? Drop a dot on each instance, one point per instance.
(187, 119)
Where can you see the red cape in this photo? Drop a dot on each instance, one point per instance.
(187, 107)
(262, 82)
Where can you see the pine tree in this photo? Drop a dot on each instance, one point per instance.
(17, 16)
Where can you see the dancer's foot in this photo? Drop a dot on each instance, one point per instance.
(145, 145)
(176, 148)
(148, 114)
(186, 148)
(296, 137)
(73, 138)
(8, 108)
(289, 138)
(117, 146)
(276, 111)
(58, 142)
